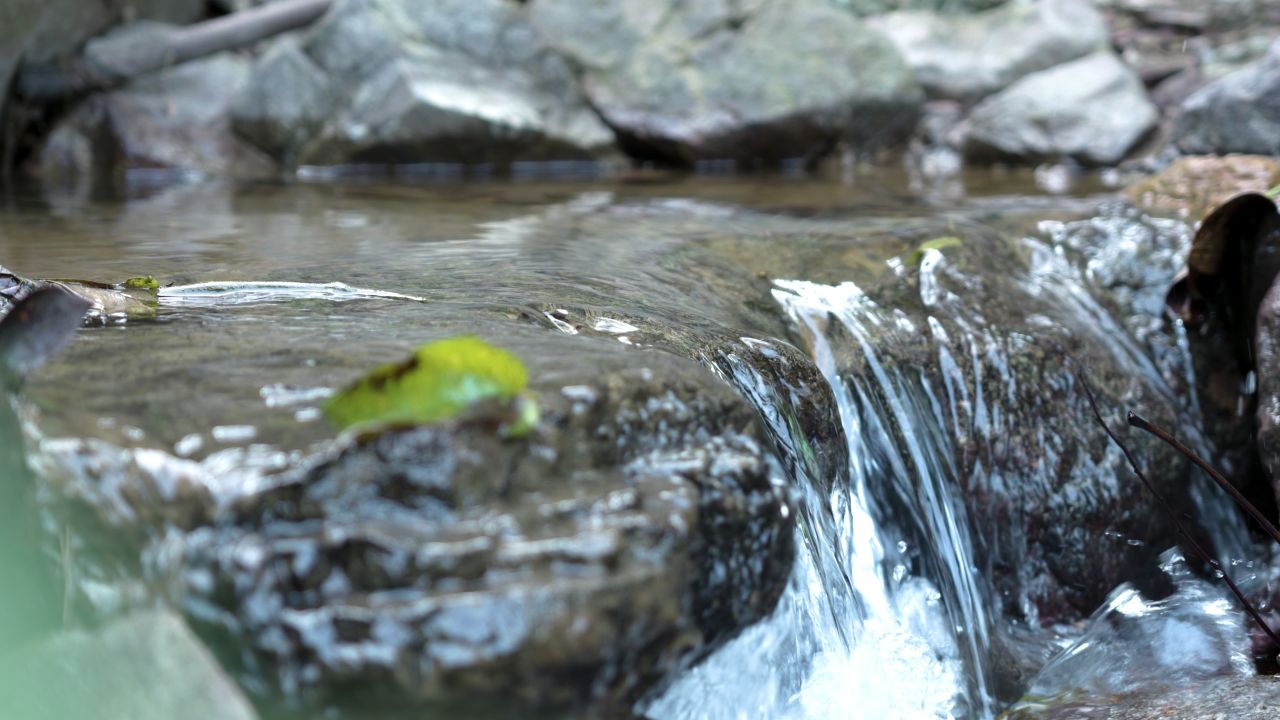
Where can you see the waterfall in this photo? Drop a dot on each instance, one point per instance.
(859, 633)
(889, 611)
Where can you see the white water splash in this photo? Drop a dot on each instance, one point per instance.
(245, 292)
(855, 635)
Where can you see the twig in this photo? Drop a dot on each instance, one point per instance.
(68, 585)
(1136, 420)
(1182, 529)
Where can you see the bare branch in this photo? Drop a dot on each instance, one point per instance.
(1173, 515)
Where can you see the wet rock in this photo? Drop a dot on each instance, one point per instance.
(176, 119)
(979, 337)
(1239, 113)
(398, 81)
(1266, 346)
(1238, 698)
(1192, 186)
(879, 7)
(144, 666)
(766, 81)
(1093, 110)
(967, 57)
(443, 568)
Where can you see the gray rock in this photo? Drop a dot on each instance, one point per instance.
(764, 80)
(180, 12)
(967, 57)
(951, 7)
(286, 103)
(1237, 698)
(144, 666)
(444, 568)
(42, 31)
(1093, 110)
(1239, 113)
(33, 30)
(177, 119)
(398, 81)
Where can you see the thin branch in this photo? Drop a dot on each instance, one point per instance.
(1136, 420)
(1182, 529)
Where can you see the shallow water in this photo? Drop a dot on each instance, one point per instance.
(887, 610)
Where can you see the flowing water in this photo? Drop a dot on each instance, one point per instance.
(281, 294)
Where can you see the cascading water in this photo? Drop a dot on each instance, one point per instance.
(888, 613)
(872, 638)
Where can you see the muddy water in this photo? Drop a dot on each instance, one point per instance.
(671, 264)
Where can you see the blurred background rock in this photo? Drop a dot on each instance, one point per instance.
(492, 85)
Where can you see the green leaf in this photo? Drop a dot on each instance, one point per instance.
(937, 243)
(146, 282)
(440, 380)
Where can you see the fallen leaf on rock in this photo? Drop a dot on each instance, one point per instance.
(441, 380)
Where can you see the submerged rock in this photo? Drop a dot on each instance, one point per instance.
(147, 665)
(967, 57)
(768, 80)
(1093, 110)
(1239, 113)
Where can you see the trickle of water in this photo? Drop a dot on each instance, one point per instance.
(858, 634)
(925, 630)
(1133, 644)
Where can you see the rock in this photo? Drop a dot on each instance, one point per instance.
(1192, 186)
(1239, 113)
(144, 666)
(967, 57)
(178, 12)
(879, 7)
(176, 119)
(286, 103)
(1093, 110)
(1237, 698)
(767, 81)
(445, 568)
(33, 30)
(398, 81)
(44, 31)
(1266, 345)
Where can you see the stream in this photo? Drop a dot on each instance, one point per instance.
(965, 538)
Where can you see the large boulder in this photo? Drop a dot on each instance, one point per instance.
(967, 57)
(768, 80)
(176, 119)
(35, 31)
(1239, 113)
(1093, 110)
(400, 81)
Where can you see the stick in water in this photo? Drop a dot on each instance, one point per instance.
(1136, 420)
(1182, 529)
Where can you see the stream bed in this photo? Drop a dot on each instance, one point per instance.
(814, 447)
